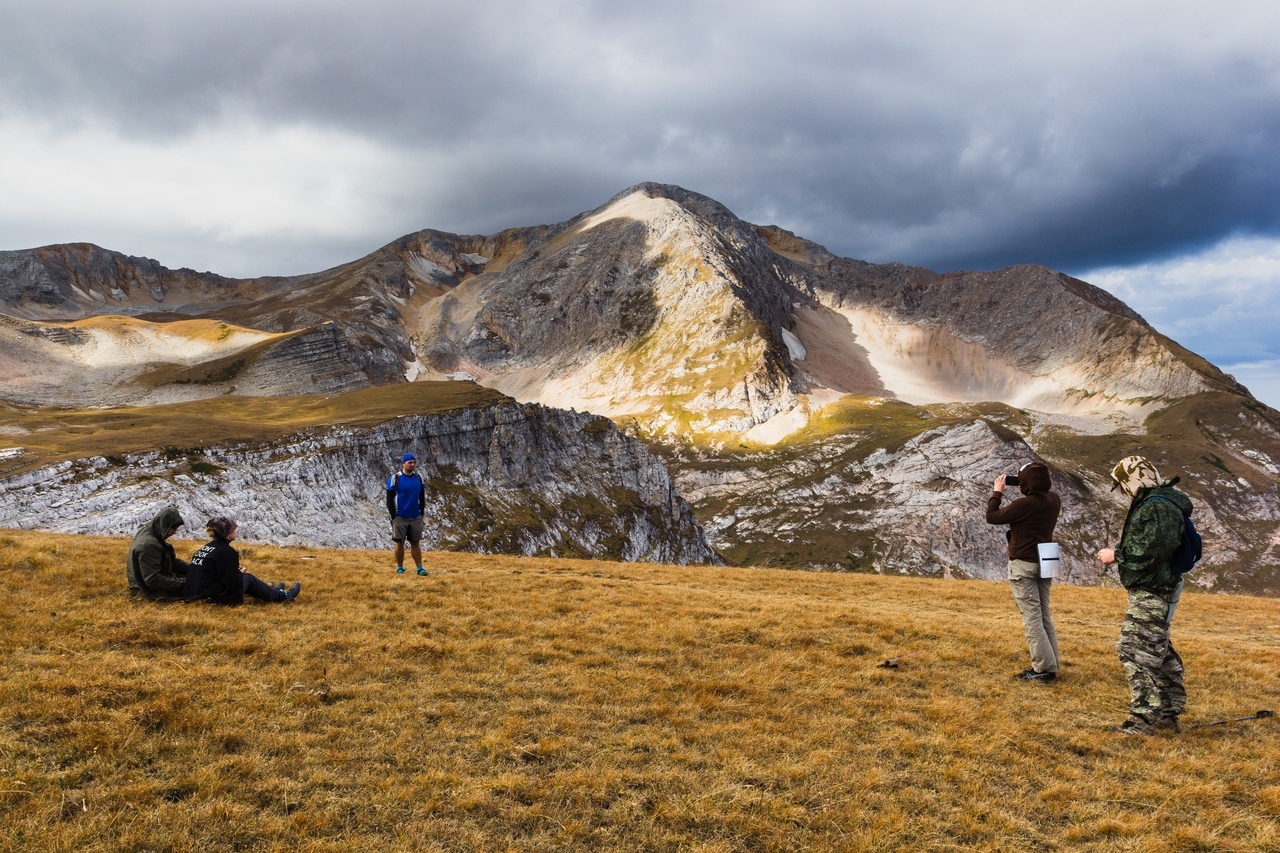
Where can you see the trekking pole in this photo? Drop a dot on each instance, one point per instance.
(892, 663)
(1261, 715)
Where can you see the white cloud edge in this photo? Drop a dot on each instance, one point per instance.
(228, 183)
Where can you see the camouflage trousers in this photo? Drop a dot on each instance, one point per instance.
(1153, 667)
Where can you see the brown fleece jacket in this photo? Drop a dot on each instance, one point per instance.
(1032, 517)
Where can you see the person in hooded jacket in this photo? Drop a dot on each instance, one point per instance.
(1031, 519)
(151, 566)
(216, 575)
(1152, 531)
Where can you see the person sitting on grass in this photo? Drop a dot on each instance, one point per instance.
(152, 567)
(216, 576)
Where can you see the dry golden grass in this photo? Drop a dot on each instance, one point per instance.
(522, 704)
(49, 435)
(198, 330)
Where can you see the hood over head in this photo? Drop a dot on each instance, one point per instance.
(165, 518)
(1033, 479)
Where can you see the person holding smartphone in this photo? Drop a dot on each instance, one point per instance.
(1031, 519)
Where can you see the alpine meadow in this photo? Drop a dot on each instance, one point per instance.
(509, 703)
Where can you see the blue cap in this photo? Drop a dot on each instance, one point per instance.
(408, 457)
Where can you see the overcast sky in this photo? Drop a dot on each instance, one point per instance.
(1133, 144)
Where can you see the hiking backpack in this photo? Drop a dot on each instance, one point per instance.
(1187, 554)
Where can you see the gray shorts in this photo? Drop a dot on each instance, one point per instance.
(406, 528)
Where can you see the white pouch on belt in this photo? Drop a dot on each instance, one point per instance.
(1050, 559)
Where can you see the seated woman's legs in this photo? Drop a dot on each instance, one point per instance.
(258, 589)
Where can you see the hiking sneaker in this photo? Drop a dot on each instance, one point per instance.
(1024, 675)
(422, 571)
(292, 592)
(1134, 726)
(1168, 723)
(1032, 675)
(399, 570)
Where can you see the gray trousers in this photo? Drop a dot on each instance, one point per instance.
(1031, 594)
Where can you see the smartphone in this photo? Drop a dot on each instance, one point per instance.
(1011, 479)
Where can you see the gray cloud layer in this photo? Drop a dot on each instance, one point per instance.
(951, 135)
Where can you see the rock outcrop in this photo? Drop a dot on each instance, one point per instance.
(79, 279)
(507, 478)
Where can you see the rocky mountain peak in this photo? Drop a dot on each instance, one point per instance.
(626, 310)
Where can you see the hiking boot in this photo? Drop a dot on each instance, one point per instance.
(292, 592)
(1168, 723)
(1134, 726)
(1032, 675)
(1024, 675)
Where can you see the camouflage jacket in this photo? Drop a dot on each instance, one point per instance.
(1151, 534)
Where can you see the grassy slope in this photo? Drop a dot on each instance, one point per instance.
(49, 435)
(524, 704)
(216, 369)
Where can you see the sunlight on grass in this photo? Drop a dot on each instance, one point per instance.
(522, 704)
(48, 435)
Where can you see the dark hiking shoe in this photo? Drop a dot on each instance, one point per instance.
(1032, 675)
(1168, 723)
(1134, 726)
(292, 592)
(1024, 675)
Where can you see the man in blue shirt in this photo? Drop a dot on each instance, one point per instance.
(406, 497)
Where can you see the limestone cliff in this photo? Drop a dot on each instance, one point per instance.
(505, 478)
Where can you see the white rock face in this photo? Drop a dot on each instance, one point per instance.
(510, 478)
(919, 508)
(931, 493)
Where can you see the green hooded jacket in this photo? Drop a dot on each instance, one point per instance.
(153, 568)
(1152, 531)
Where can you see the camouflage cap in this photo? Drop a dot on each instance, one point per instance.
(1133, 473)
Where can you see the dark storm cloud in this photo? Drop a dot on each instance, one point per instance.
(948, 135)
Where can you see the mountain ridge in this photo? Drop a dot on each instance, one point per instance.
(728, 346)
(379, 300)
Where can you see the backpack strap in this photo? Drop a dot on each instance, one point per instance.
(1166, 500)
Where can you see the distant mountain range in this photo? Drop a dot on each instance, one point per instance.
(816, 410)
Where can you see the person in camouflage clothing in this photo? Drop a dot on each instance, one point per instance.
(1152, 530)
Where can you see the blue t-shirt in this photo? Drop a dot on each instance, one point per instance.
(408, 493)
